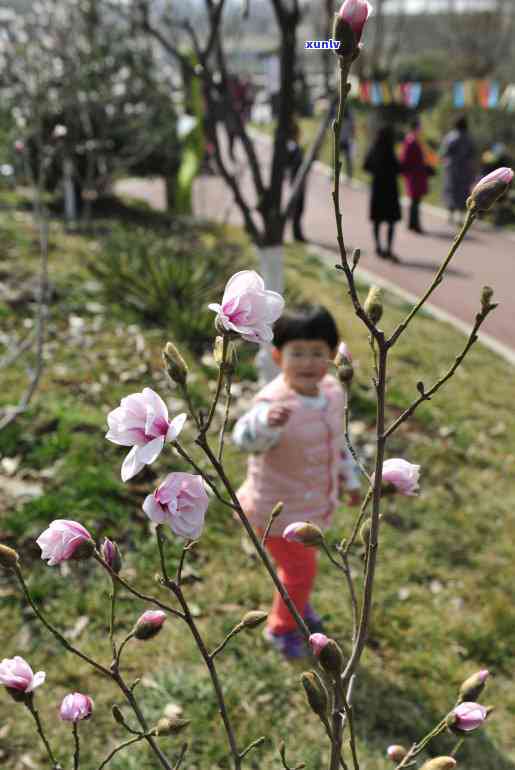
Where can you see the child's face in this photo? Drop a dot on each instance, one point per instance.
(304, 363)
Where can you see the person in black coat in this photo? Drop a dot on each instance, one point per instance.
(381, 162)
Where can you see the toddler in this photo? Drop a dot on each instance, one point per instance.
(294, 434)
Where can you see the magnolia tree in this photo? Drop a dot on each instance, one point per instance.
(178, 507)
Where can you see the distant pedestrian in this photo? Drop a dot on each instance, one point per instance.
(416, 173)
(382, 163)
(295, 158)
(347, 140)
(459, 162)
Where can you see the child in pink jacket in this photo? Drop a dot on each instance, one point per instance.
(294, 433)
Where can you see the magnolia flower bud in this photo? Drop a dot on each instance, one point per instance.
(486, 296)
(473, 686)
(253, 619)
(489, 189)
(111, 555)
(466, 717)
(117, 714)
(171, 726)
(345, 373)
(9, 558)
(348, 26)
(149, 624)
(373, 304)
(303, 532)
(396, 753)
(331, 658)
(439, 763)
(315, 692)
(364, 532)
(175, 364)
(218, 351)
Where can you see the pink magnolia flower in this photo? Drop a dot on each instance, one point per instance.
(318, 642)
(248, 308)
(76, 707)
(181, 502)
(64, 540)
(402, 474)
(141, 421)
(468, 716)
(16, 674)
(355, 13)
(149, 624)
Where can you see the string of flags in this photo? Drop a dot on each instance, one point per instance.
(488, 94)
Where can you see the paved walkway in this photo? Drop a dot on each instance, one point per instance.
(487, 256)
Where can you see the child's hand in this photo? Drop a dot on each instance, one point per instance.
(278, 416)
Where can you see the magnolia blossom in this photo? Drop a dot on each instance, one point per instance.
(16, 674)
(149, 624)
(62, 540)
(317, 643)
(181, 502)
(355, 13)
(76, 707)
(141, 421)
(111, 555)
(468, 716)
(402, 474)
(248, 308)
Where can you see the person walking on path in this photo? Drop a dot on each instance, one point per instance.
(294, 432)
(294, 160)
(381, 162)
(347, 140)
(459, 164)
(416, 173)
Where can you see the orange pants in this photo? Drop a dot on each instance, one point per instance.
(297, 569)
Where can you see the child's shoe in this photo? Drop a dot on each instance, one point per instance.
(313, 620)
(291, 644)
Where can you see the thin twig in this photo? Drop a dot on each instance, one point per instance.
(119, 748)
(76, 753)
(184, 454)
(426, 395)
(350, 446)
(29, 702)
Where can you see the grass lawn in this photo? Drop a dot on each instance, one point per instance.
(443, 605)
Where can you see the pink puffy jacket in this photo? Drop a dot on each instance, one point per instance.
(301, 470)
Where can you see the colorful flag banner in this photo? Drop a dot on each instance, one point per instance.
(485, 93)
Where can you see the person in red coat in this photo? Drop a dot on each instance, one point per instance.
(416, 173)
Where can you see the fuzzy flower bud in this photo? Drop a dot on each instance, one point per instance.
(373, 306)
(473, 686)
(489, 189)
(149, 624)
(343, 363)
(303, 532)
(315, 692)
(9, 558)
(348, 26)
(466, 717)
(171, 726)
(76, 707)
(396, 753)
(175, 364)
(111, 555)
(439, 763)
(328, 652)
(486, 298)
(253, 619)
